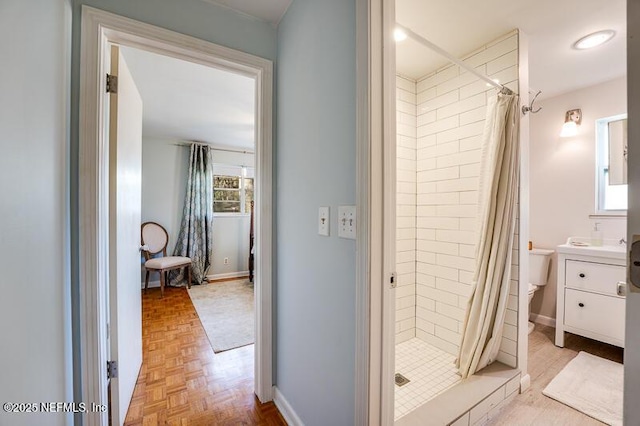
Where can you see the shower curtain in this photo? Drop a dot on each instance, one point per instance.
(196, 231)
(498, 197)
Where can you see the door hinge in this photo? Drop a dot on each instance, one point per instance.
(393, 280)
(112, 83)
(112, 369)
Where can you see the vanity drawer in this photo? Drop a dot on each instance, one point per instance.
(596, 313)
(598, 277)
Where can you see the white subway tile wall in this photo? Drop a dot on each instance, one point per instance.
(450, 115)
(406, 209)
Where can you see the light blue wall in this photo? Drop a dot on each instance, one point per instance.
(35, 321)
(315, 152)
(196, 18)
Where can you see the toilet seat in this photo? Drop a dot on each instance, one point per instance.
(532, 288)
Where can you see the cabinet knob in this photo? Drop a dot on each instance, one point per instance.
(581, 304)
(581, 275)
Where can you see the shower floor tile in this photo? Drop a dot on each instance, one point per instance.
(430, 370)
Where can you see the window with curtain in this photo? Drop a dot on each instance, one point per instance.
(232, 189)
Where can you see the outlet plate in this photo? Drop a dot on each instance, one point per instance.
(323, 221)
(226, 260)
(347, 223)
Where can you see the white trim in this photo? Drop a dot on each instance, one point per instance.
(228, 275)
(382, 210)
(610, 214)
(542, 319)
(389, 161)
(152, 284)
(156, 283)
(285, 408)
(98, 29)
(363, 207)
(375, 244)
(522, 359)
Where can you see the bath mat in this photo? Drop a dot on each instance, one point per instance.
(226, 312)
(591, 385)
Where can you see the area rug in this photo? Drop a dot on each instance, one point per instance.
(591, 385)
(226, 312)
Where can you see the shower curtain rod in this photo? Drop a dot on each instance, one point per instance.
(214, 148)
(452, 58)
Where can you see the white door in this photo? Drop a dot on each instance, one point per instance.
(125, 217)
(632, 327)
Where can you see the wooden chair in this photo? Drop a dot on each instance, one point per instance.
(154, 240)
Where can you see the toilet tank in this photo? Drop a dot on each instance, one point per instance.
(539, 261)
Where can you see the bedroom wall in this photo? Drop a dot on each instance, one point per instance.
(451, 109)
(230, 233)
(165, 168)
(35, 314)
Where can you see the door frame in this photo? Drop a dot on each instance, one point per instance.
(375, 162)
(375, 318)
(99, 29)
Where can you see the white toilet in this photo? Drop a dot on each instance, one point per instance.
(539, 261)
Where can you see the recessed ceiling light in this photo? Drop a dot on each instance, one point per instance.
(594, 39)
(399, 34)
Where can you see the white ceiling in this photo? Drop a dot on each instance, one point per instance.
(552, 26)
(265, 10)
(192, 102)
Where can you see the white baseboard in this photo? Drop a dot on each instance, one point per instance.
(152, 284)
(285, 408)
(228, 275)
(544, 320)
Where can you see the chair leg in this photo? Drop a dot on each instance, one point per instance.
(188, 268)
(161, 284)
(146, 280)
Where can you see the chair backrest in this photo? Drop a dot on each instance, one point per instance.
(155, 237)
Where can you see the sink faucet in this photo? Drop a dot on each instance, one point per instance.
(622, 241)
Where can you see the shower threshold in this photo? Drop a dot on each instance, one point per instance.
(481, 395)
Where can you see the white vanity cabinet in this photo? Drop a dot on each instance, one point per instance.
(591, 291)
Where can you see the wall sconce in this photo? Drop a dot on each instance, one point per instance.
(572, 120)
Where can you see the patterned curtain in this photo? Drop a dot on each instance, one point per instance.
(196, 232)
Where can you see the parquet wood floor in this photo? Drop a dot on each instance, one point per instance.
(182, 382)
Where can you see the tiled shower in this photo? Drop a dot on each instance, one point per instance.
(440, 120)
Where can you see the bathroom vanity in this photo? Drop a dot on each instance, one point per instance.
(591, 290)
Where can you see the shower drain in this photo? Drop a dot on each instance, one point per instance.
(401, 380)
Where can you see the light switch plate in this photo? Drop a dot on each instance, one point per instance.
(323, 221)
(347, 223)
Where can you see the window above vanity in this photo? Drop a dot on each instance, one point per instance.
(611, 163)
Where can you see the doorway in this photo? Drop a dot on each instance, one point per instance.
(531, 54)
(99, 30)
